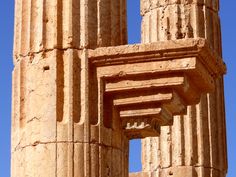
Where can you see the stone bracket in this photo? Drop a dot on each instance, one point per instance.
(147, 84)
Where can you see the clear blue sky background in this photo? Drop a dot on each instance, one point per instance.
(228, 20)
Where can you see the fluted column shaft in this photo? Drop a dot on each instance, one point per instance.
(53, 134)
(42, 25)
(195, 146)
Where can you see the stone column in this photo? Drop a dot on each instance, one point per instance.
(78, 97)
(195, 146)
(51, 121)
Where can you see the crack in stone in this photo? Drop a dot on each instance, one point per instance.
(194, 166)
(34, 118)
(177, 3)
(36, 143)
(43, 51)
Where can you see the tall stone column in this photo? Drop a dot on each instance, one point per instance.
(195, 146)
(51, 129)
(80, 94)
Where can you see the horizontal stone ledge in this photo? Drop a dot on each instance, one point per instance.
(180, 83)
(169, 99)
(159, 51)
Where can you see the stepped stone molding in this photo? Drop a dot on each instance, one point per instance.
(120, 78)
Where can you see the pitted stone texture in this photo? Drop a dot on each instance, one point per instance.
(79, 97)
(148, 5)
(198, 138)
(171, 20)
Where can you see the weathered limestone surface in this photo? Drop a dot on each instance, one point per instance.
(181, 19)
(195, 146)
(51, 131)
(80, 94)
(43, 25)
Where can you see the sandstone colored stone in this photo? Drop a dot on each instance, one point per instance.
(80, 93)
(198, 138)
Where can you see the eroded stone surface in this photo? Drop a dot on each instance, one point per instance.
(79, 97)
(196, 143)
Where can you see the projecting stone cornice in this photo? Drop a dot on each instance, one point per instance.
(162, 50)
(132, 79)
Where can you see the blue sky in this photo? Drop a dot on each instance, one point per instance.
(228, 21)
